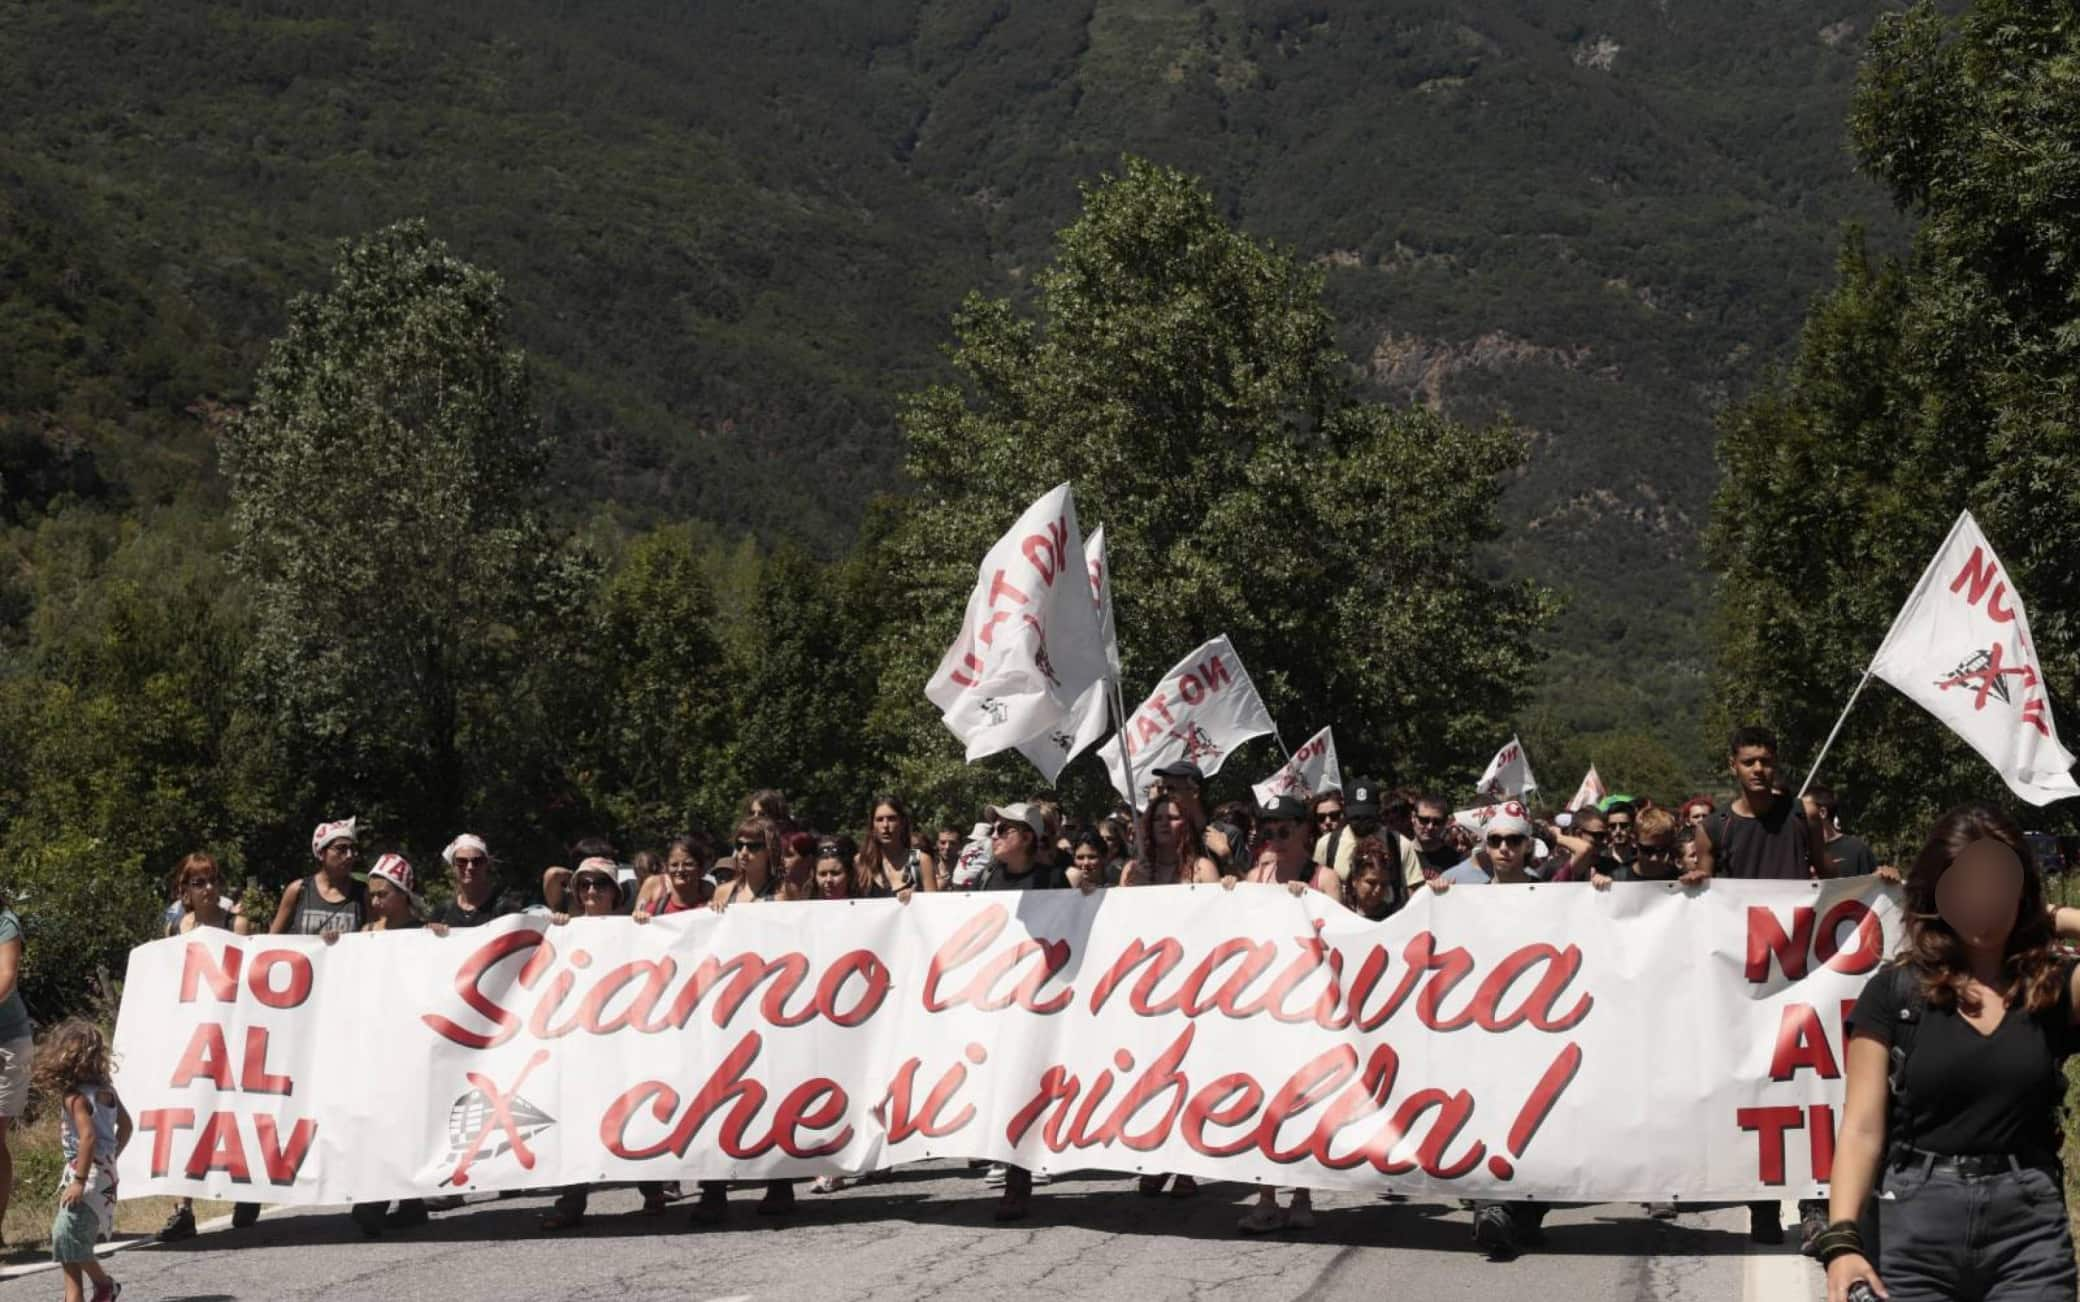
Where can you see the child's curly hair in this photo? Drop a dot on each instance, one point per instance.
(73, 1054)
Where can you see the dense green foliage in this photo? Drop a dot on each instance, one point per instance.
(731, 233)
(1941, 381)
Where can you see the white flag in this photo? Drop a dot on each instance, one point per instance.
(1312, 771)
(1589, 792)
(1052, 750)
(1509, 773)
(1961, 648)
(1205, 708)
(1028, 648)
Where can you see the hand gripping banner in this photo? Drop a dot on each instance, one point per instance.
(1640, 1043)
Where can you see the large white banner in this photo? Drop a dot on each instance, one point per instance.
(1961, 649)
(1205, 707)
(1547, 1041)
(1029, 643)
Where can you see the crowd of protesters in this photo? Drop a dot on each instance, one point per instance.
(1370, 849)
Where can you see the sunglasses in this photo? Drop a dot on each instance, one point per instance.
(1512, 841)
(1657, 852)
(1277, 831)
(1620, 825)
(595, 884)
(750, 845)
(1438, 821)
(1597, 836)
(1006, 829)
(470, 861)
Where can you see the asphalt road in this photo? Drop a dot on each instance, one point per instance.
(926, 1232)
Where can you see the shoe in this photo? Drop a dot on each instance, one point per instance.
(1042, 1177)
(244, 1216)
(108, 1292)
(828, 1184)
(410, 1215)
(779, 1200)
(180, 1225)
(556, 1222)
(1812, 1223)
(1661, 1211)
(1300, 1216)
(1012, 1207)
(994, 1177)
(672, 1191)
(654, 1203)
(1151, 1186)
(713, 1206)
(444, 1203)
(1184, 1187)
(1765, 1224)
(369, 1216)
(1495, 1232)
(1262, 1219)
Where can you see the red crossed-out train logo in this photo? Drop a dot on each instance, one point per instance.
(487, 1122)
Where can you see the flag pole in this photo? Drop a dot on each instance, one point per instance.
(1126, 761)
(1813, 770)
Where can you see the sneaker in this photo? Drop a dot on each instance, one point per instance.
(1042, 1177)
(1661, 1211)
(994, 1177)
(1812, 1223)
(827, 1184)
(444, 1203)
(779, 1200)
(1300, 1216)
(410, 1215)
(1495, 1232)
(108, 1292)
(180, 1225)
(1262, 1219)
(713, 1205)
(1765, 1223)
(244, 1216)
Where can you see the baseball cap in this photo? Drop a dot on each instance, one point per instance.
(1182, 771)
(1019, 812)
(1363, 801)
(1281, 806)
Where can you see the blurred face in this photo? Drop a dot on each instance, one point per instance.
(1432, 821)
(683, 871)
(1402, 820)
(1113, 845)
(1699, 813)
(1281, 838)
(752, 854)
(1660, 856)
(1619, 825)
(1688, 853)
(1089, 861)
(472, 870)
(1755, 769)
(1507, 851)
(1011, 840)
(387, 902)
(1369, 888)
(1591, 828)
(199, 892)
(1979, 894)
(338, 858)
(888, 824)
(595, 894)
(831, 880)
(1328, 816)
(949, 846)
(1169, 825)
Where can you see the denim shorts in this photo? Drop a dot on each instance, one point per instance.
(14, 1076)
(1997, 1238)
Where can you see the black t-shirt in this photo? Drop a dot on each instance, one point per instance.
(1042, 877)
(1772, 847)
(1968, 1093)
(1849, 856)
(452, 914)
(1443, 859)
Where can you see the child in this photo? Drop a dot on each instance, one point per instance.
(72, 1065)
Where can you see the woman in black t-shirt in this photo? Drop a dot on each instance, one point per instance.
(1954, 1086)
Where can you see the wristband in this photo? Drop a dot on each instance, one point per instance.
(1840, 1239)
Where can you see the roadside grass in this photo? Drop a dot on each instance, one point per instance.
(39, 1160)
